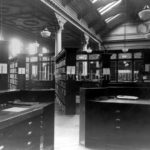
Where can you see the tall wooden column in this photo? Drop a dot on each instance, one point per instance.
(58, 37)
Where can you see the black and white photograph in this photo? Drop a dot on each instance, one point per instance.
(74, 74)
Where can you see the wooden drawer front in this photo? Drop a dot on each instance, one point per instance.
(99, 123)
(22, 136)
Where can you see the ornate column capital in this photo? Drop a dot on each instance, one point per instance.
(61, 21)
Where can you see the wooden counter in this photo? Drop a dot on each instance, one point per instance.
(26, 129)
(114, 124)
(8, 118)
(28, 124)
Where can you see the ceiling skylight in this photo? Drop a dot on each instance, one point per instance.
(112, 18)
(93, 1)
(109, 6)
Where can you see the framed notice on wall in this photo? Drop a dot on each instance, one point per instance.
(71, 70)
(3, 68)
(147, 67)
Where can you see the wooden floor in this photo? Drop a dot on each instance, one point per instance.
(67, 132)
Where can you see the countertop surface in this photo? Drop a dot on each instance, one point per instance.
(122, 101)
(20, 111)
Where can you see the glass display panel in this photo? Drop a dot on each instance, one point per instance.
(94, 70)
(34, 71)
(27, 59)
(81, 57)
(44, 71)
(33, 59)
(21, 70)
(138, 55)
(124, 71)
(94, 56)
(81, 70)
(113, 56)
(125, 56)
(46, 58)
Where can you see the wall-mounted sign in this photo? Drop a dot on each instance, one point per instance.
(3, 68)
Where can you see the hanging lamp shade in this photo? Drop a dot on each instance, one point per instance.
(145, 13)
(45, 33)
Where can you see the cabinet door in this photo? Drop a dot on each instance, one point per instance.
(99, 124)
(135, 126)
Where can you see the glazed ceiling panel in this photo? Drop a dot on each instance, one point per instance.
(110, 11)
(32, 16)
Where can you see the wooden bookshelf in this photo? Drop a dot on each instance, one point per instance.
(65, 80)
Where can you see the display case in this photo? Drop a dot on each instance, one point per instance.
(126, 67)
(92, 69)
(39, 71)
(17, 72)
(31, 71)
(88, 66)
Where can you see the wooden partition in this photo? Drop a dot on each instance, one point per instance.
(107, 122)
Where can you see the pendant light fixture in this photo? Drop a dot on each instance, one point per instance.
(45, 33)
(144, 14)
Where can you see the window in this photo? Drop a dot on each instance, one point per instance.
(44, 71)
(94, 68)
(81, 67)
(125, 67)
(3, 68)
(34, 71)
(124, 71)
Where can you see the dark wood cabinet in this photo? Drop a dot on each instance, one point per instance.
(29, 129)
(112, 125)
(65, 80)
(17, 72)
(116, 124)
(30, 72)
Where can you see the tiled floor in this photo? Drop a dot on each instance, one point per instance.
(67, 132)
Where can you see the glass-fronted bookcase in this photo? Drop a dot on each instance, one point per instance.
(132, 66)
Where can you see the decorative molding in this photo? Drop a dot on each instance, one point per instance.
(61, 21)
